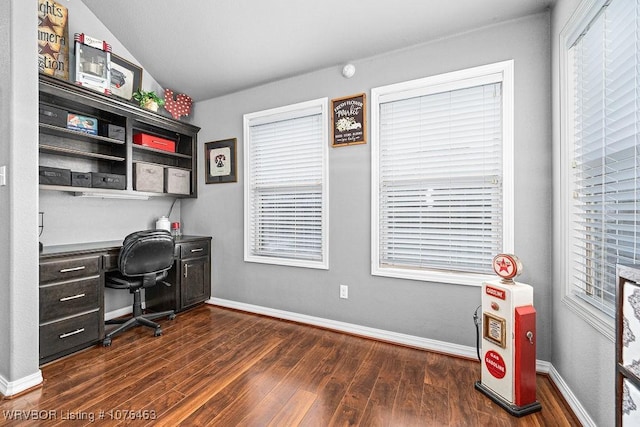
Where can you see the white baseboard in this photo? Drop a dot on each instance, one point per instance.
(379, 334)
(119, 312)
(413, 341)
(9, 388)
(571, 399)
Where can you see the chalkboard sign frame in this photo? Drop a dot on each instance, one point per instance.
(349, 120)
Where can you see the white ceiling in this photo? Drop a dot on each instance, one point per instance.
(209, 48)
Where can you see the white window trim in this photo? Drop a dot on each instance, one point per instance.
(577, 25)
(500, 71)
(283, 113)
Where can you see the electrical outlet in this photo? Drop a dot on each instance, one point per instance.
(344, 291)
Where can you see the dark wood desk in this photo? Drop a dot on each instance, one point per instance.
(72, 290)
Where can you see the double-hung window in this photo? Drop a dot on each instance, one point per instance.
(601, 166)
(442, 175)
(286, 185)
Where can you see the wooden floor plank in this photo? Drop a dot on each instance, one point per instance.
(294, 409)
(379, 409)
(334, 385)
(215, 366)
(408, 403)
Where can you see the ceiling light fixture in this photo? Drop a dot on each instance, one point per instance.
(348, 70)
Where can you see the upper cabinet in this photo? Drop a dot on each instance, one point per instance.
(93, 143)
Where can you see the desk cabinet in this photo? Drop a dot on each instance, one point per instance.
(190, 278)
(72, 290)
(71, 304)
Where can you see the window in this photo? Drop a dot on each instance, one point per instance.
(286, 185)
(601, 173)
(442, 203)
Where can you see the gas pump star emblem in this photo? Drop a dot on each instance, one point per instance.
(503, 265)
(506, 266)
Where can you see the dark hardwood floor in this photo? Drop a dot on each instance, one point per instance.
(215, 366)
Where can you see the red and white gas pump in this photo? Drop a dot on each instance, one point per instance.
(508, 375)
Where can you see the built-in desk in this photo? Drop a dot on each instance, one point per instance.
(72, 290)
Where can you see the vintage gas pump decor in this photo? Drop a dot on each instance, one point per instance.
(508, 374)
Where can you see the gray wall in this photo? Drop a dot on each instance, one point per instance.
(19, 198)
(584, 357)
(5, 211)
(430, 310)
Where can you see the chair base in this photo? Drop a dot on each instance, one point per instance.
(140, 320)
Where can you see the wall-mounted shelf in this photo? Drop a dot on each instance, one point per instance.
(77, 151)
(161, 152)
(56, 130)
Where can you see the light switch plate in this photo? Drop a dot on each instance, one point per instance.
(3, 175)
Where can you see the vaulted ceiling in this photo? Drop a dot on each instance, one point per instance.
(209, 48)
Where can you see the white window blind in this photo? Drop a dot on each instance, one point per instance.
(285, 186)
(605, 68)
(440, 182)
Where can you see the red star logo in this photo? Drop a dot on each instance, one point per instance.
(504, 265)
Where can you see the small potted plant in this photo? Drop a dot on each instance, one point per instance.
(148, 100)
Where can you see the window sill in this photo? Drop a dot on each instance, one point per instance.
(455, 278)
(319, 265)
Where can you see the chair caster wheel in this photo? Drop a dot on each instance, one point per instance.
(157, 333)
(172, 316)
(106, 342)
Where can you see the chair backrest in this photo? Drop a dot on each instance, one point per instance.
(145, 252)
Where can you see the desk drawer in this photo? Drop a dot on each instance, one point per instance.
(68, 298)
(195, 249)
(66, 334)
(62, 269)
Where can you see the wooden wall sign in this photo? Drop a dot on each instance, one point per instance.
(53, 39)
(349, 120)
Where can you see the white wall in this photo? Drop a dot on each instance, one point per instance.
(435, 311)
(19, 198)
(582, 356)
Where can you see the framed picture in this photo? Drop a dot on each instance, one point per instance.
(349, 120)
(220, 159)
(126, 77)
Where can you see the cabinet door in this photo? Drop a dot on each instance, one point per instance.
(195, 281)
(162, 297)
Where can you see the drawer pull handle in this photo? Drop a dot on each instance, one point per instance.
(68, 334)
(72, 297)
(197, 250)
(68, 270)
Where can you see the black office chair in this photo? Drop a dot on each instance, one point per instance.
(145, 258)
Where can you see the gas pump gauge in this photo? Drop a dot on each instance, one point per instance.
(507, 267)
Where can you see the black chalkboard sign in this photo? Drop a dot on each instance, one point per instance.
(349, 120)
